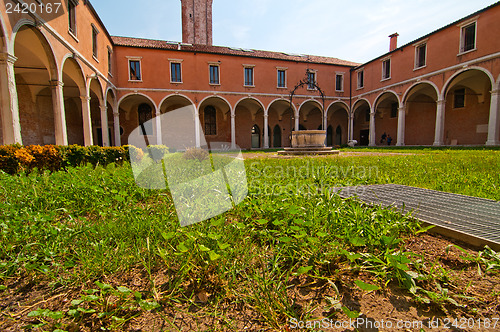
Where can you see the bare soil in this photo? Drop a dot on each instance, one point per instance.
(312, 297)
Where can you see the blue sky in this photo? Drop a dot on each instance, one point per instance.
(354, 30)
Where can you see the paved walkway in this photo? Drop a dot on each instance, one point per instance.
(469, 219)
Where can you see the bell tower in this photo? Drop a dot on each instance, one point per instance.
(197, 22)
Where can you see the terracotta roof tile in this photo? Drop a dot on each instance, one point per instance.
(166, 45)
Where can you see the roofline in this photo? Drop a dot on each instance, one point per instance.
(429, 34)
(237, 55)
(94, 12)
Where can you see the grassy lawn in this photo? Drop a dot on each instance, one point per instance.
(87, 249)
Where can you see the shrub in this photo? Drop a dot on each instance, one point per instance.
(8, 160)
(196, 153)
(157, 152)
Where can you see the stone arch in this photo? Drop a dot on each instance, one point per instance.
(248, 112)
(98, 112)
(4, 37)
(178, 123)
(386, 111)
(3, 52)
(361, 121)
(37, 84)
(74, 87)
(113, 121)
(310, 114)
(280, 114)
(420, 104)
(467, 97)
(337, 116)
(216, 126)
(128, 107)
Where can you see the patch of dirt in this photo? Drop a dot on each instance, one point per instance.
(317, 299)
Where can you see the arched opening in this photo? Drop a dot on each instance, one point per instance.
(337, 116)
(329, 136)
(215, 119)
(361, 127)
(255, 137)
(311, 116)
(249, 114)
(35, 69)
(110, 103)
(74, 86)
(96, 101)
(468, 99)
(386, 119)
(420, 115)
(277, 136)
(338, 136)
(178, 125)
(129, 116)
(281, 116)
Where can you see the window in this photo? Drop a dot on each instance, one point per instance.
(468, 38)
(386, 69)
(94, 41)
(361, 79)
(175, 72)
(109, 60)
(339, 82)
(459, 98)
(72, 15)
(281, 78)
(420, 56)
(210, 117)
(145, 114)
(311, 80)
(135, 70)
(214, 74)
(394, 110)
(249, 76)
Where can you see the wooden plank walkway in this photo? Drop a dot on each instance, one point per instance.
(470, 219)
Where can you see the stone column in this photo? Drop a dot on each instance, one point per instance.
(494, 123)
(159, 139)
(266, 131)
(350, 130)
(9, 106)
(401, 125)
(440, 113)
(61, 132)
(104, 125)
(116, 123)
(87, 121)
(372, 136)
(233, 131)
(297, 118)
(197, 126)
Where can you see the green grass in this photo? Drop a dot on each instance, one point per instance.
(72, 228)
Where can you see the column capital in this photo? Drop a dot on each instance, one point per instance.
(56, 83)
(116, 114)
(441, 101)
(8, 58)
(85, 98)
(495, 92)
(103, 108)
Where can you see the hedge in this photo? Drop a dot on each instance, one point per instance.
(17, 158)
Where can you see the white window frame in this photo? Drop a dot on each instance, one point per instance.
(278, 69)
(95, 32)
(215, 64)
(315, 72)
(342, 83)
(172, 61)
(110, 64)
(253, 76)
(462, 27)
(384, 61)
(134, 58)
(74, 33)
(358, 85)
(417, 47)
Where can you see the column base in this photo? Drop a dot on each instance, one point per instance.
(492, 143)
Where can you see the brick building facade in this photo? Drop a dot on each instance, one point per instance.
(67, 81)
